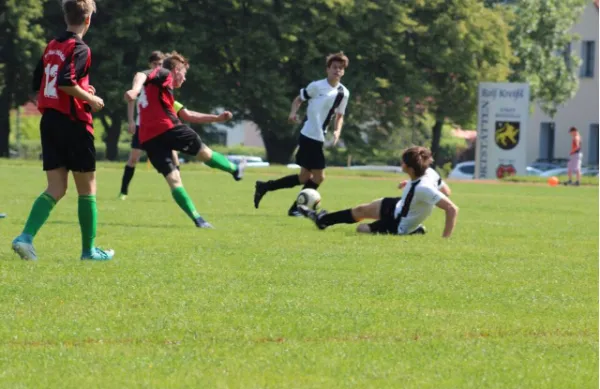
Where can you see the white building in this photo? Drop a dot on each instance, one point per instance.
(549, 139)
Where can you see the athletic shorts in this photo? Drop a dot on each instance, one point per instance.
(310, 153)
(160, 148)
(135, 139)
(66, 143)
(575, 161)
(387, 223)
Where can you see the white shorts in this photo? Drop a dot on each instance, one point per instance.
(575, 162)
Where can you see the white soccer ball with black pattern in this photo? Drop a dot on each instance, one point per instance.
(310, 198)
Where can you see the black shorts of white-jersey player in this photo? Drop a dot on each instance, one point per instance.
(327, 100)
(398, 216)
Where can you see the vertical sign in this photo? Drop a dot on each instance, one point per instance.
(502, 116)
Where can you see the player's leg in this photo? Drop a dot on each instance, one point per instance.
(578, 168)
(324, 219)
(134, 157)
(161, 156)
(40, 211)
(570, 168)
(82, 163)
(309, 156)
(53, 154)
(310, 181)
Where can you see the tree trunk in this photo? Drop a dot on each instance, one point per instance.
(279, 149)
(5, 123)
(436, 136)
(112, 133)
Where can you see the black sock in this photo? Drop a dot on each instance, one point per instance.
(339, 217)
(127, 176)
(310, 184)
(283, 182)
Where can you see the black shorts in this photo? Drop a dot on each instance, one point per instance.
(310, 153)
(387, 223)
(135, 139)
(66, 143)
(160, 148)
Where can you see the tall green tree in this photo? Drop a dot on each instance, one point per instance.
(454, 45)
(541, 41)
(21, 44)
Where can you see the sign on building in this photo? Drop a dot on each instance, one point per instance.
(502, 115)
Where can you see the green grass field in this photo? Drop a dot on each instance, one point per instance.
(268, 301)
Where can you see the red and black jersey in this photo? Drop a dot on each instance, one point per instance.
(66, 62)
(155, 105)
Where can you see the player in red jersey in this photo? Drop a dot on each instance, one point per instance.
(161, 131)
(66, 99)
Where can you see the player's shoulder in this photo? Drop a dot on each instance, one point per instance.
(426, 185)
(346, 90)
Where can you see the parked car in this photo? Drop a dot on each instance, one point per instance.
(251, 161)
(463, 171)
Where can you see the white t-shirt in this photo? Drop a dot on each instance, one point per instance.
(434, 177)
(321, 98)
(417, 202)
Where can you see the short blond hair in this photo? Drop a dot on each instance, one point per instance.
(76, 11)
(337, 57)
(175, 60)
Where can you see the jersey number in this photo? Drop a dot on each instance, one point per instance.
(51, 75)
(142, 99)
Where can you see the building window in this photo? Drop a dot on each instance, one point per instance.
(593, 149)
(546, 142)
(588, 56)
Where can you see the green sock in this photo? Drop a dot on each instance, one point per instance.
(219, 161)
(39, 214)
(88, 214)
(183, 200)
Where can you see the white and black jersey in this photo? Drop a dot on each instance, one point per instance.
(416, 204)
(434, 177)
(324, 101)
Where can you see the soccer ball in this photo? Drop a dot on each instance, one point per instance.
(309, 198)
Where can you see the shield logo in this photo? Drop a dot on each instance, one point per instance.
(505, 171)
(507, 134)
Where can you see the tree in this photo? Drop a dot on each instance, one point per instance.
(21, 45)
(454, 45)
(541, 42)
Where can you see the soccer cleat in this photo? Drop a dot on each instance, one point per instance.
(567, 183)
(259, 192)
(201, 223)
(122, 196)
(293, 211)
(421, 230)
(97, 254)
(239, 172)
(313, 215)
(2, 215)
(23, 246)
(577, 183)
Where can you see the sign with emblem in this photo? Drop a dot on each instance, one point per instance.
(502, 116)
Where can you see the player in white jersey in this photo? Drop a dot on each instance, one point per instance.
(398, 216)
(435, 178)
(327, 99)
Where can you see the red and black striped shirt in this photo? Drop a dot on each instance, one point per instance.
(66, 62)
(155, 105)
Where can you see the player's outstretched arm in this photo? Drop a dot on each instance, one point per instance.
(198, 117)
(451, 215)
(296, 104)
(138, 82)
